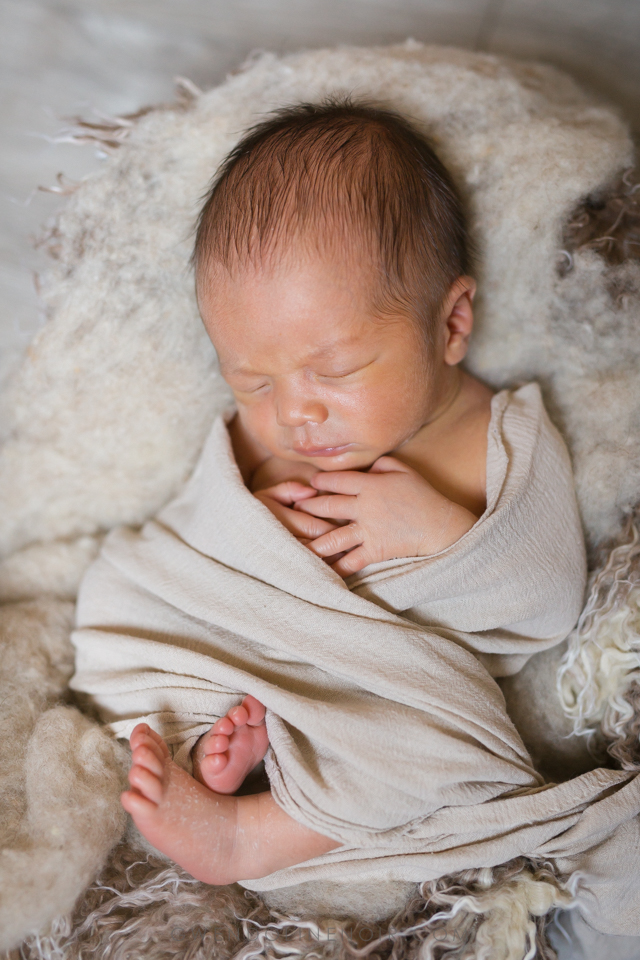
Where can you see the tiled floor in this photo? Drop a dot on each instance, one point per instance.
(60, 57)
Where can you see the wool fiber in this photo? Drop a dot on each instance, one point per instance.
(110, 408)
(107, 415)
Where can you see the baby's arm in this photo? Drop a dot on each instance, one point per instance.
(392, 511)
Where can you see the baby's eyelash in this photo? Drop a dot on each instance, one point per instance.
(337, 376)
(349, 373)
(251, 389)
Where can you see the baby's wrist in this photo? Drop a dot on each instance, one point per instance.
(456, 522)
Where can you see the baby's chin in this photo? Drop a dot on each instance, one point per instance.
(348, 460)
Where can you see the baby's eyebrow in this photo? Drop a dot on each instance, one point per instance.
(244, 371)
(330, 349)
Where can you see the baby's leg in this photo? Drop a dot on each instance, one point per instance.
(218, 839)
(237, 742)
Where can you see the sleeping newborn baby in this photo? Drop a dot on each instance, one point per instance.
(332, 276)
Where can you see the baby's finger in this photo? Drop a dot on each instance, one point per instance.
(342, 538)
(387, 464)
(308, 526)
(289, 491)
(336, 556)
(336, 507)
(298, 523)
(328, 560)
(352, 562)
(350, 482)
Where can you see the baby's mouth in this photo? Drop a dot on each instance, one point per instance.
(322, 451)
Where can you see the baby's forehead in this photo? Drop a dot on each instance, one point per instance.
(313, 312)
(324, 264)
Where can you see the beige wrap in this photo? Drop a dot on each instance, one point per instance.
(387, 731)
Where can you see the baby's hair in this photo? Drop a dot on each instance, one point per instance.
(339, 172)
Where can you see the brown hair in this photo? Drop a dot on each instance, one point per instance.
(345, 170)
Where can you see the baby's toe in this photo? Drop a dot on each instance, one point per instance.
(213, 764)
(154, 745)
(157, 739)
(255, 710)
(146, 783)
(145, 756)
(238, 715)
(216, 744)
(139, 734)
(137, 805)
(224, 725)
(143, 734)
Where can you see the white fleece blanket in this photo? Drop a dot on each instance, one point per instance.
(387, 732)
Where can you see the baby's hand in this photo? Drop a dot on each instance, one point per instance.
(275, 470)
(281, 498)
(394, 512)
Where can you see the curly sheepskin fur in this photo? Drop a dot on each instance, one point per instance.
(140, 907)
(61, 774)
(599, 680)
(108, 413)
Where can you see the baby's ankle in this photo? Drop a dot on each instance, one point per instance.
(254, 855)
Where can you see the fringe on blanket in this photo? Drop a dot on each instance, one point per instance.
(107, 132)
(142, 908)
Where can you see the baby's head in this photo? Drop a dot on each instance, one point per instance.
(331, 263)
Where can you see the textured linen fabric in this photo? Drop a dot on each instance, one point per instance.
(387, 733)
(91, 444)
(515, 582)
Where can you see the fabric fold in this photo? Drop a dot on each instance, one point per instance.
(387, 732)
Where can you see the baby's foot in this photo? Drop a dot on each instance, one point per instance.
(224, 756)
(219, 839)
(177, 815)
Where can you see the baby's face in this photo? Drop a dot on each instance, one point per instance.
(316, 377)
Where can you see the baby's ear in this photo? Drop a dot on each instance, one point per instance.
(458, 319)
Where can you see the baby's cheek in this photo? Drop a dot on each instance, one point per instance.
(260, 424)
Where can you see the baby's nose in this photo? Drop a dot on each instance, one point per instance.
(293, 412)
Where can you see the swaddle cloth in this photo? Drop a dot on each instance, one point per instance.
(387, 732)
